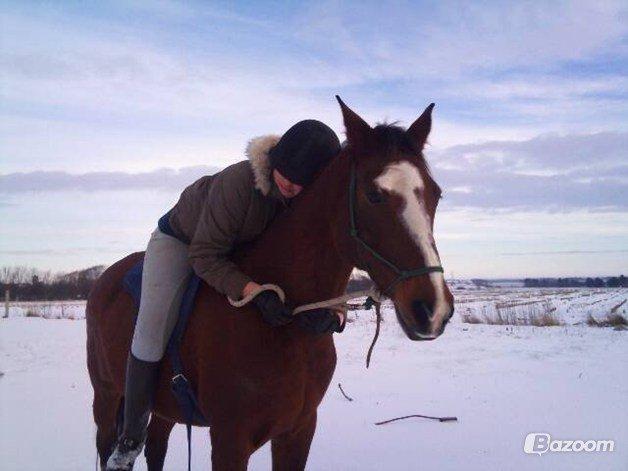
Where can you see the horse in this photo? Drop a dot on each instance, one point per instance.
(372, 207)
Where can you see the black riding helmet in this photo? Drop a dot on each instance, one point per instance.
(303, 150)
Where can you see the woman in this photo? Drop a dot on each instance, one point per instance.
(212, 216)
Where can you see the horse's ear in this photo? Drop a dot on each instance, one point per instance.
(420, 129)
(358, 130)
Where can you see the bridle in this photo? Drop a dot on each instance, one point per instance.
(353, 231)
(373, 295)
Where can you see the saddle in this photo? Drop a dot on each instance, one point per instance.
(181, 388)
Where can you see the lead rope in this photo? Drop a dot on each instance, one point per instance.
(378, 320)
(373, 298)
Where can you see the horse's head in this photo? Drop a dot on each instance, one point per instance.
(391, 220)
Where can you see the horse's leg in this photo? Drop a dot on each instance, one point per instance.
(231, 450)
(105, 408)
(290, 450)
(157, 442)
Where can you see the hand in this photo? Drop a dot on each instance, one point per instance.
(320, 321)
(273, 310)
(250, 287)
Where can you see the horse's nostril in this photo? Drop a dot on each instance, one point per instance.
(421, 310)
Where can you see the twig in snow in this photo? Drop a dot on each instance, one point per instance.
(343, 393)
(440, 419)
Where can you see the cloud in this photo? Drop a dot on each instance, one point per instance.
(266, 68)
(96, 96)
(454, 37)
(175, 74)
(545, 173)
(564, 252)
(161, 179)
(551, 153)
(82, 65)
(549, 173)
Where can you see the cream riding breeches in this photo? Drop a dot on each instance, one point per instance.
(164, 280)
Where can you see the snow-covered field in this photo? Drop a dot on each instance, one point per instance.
(72, 310)
(502, 382)
(569, 305)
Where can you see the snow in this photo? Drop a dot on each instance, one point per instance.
(569, 305)
(502, 382)
(48, 309)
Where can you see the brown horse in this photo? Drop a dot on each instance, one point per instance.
(257, 383)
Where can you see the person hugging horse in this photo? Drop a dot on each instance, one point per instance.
(214, 215)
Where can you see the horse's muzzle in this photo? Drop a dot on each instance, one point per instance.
(422, 319)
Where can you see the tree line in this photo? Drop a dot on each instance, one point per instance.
(612, 282)
(31, 284)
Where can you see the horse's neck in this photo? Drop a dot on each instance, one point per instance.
(298, 250)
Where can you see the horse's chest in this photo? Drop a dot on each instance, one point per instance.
(301, 371)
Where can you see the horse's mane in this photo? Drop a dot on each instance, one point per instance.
(303, 208)
(394, 139)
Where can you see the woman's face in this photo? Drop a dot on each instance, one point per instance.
(286, 187)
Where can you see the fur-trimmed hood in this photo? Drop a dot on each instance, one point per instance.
(257, 153)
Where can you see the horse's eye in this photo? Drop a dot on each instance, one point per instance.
(375, 197)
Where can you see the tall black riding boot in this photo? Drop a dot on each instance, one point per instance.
(141, 381)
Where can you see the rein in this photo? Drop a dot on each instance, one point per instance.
(339, 303)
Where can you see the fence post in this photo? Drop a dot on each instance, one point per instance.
(7, 297)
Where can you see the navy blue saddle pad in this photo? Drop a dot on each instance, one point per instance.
(132, 283)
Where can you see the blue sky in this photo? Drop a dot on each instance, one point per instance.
(109, 109)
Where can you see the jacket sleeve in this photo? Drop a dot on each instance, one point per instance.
(221, 220)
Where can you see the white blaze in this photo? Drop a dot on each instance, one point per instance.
(405, 180)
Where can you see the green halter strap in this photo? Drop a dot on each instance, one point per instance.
(353, 231)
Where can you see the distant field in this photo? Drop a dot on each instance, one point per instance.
(569, 306)
(49, 309)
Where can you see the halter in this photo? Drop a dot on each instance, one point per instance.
(353, 231)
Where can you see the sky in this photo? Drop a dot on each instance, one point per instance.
(109, 109)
